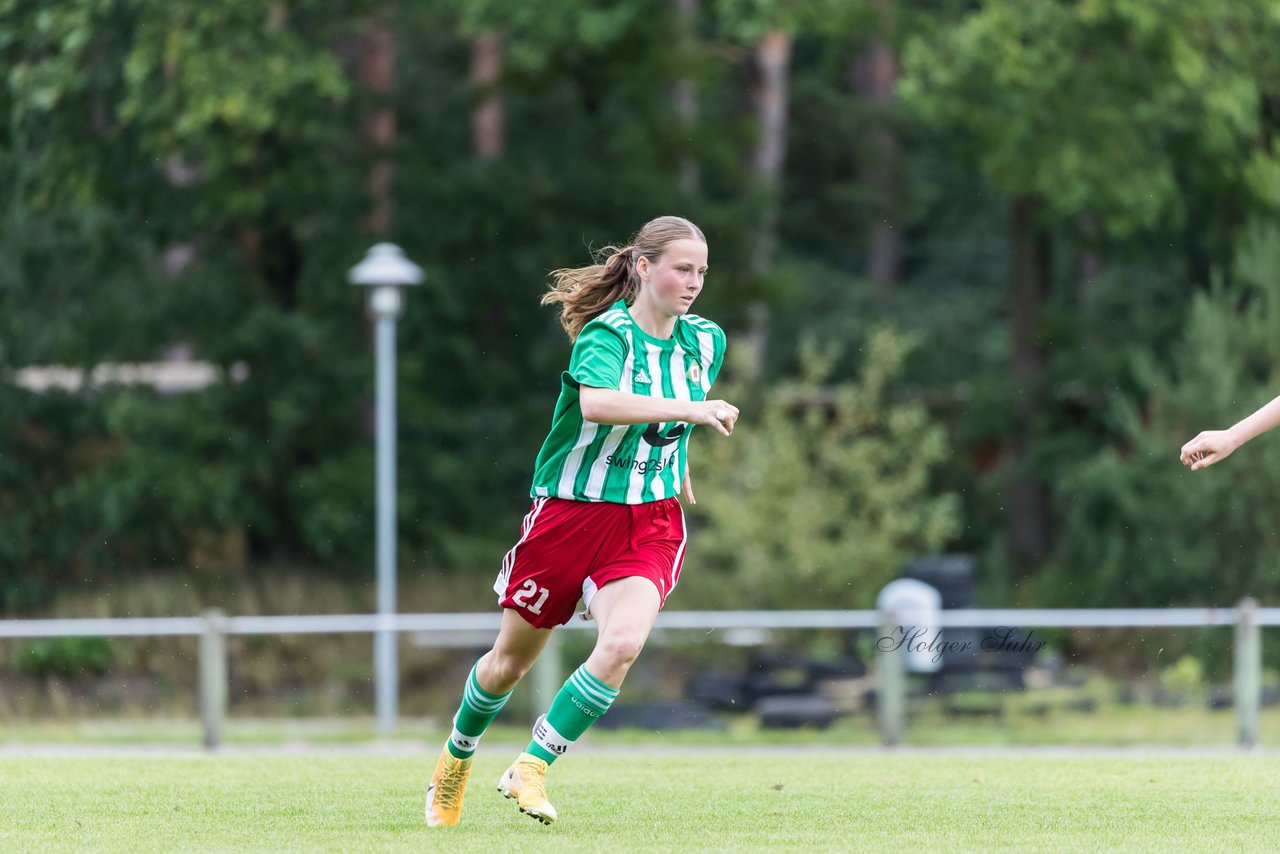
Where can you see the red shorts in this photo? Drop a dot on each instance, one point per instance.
(570, 549)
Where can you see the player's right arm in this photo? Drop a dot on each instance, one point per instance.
(610, 406)
(1213, 446)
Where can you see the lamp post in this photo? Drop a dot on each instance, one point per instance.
(385, 271)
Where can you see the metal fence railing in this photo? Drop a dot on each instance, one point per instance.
(891, 670)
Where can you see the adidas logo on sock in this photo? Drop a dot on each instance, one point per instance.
(547, 737)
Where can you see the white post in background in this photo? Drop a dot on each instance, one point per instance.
(386, 271)
(213, 676)
(1248, 670)
(547, 676)
(891, 679)
(906, 606)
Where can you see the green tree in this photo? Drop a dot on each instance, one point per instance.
(161, 160)
(197, 175)
(1125, 111)
(1139, 529)
(1124, 116)
(822, 493)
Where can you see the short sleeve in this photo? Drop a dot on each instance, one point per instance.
(719, 345)
(597, 358)
(706, 339)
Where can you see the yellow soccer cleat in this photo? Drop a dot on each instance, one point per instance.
(526, 781)
(448, 785)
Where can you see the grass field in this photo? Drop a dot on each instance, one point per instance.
(1111, 725)
(650, 800)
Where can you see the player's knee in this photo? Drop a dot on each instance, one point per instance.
(622, 647)
(506, 670)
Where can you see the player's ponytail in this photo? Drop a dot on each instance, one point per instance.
(587, 292)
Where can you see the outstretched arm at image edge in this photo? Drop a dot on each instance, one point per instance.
(1213, 446)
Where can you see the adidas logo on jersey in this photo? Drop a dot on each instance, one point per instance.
(642, 377)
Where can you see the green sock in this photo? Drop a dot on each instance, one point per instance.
(477, 711)
(581, 701)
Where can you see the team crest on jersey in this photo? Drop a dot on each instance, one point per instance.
(642, 378)
(694, 373)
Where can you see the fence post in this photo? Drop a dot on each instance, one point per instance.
(891, 679)
(213, 676)
(547, 676)
(1248, 670)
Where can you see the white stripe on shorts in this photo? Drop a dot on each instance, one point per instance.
(678, 563)
(526, 528)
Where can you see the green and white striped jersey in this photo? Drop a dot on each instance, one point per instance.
(635, 463)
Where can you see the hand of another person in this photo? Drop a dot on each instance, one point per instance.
(1207, 448)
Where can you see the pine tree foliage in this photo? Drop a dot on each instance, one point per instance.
(1140, 529)
(823, 491)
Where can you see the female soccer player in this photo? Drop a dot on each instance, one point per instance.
(606, 526)
(1213, 446)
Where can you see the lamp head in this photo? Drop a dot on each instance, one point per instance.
(385, 264)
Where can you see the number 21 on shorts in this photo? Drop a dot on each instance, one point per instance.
(529, 588)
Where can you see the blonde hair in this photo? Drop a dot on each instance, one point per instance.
(587, 292)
